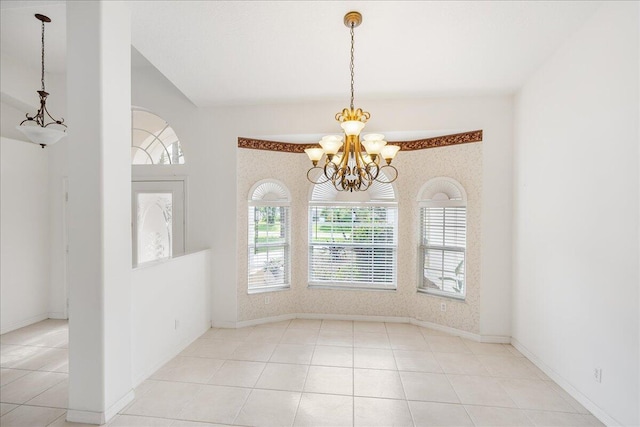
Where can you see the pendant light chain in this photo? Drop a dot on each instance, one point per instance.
(42, 57)
(352, 66)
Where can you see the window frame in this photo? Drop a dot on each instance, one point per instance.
(282, 202)
(441, 192)
(353, 285)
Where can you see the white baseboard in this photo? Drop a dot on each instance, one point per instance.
(113, 410)
(99, 418)
(12, 326)
(562, 382)
(254, 322)
(151, 369)
(388, 319)
(356, 317)
(225, 324)
(57, 315)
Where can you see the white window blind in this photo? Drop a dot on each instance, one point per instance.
(353, 246)
(443, 247)
(268, 247)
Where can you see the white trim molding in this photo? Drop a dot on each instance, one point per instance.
(595, 410)
(99, 418)
(496, 339)
(57, 315)
(22, 323)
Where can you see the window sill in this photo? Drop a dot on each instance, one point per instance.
(266, 290)
(350, 288)
(461, 298)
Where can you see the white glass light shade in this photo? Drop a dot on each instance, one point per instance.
(388, 152)
(352, 127)
(373, 137)
(331, 144)
(374, 146)
(40, 135)
(314, 154)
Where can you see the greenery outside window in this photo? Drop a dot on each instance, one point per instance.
(353, 237)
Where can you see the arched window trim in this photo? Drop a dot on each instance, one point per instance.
(154, 138)
(269, 192)
(449, 195)
(265, 275)
(380, 193)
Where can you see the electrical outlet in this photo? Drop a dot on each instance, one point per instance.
(597, 374)
(267, 300)
(443, 306)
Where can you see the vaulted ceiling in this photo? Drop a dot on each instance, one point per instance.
(225, 52)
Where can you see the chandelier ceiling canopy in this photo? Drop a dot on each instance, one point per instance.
(346, 166)
(36, 127)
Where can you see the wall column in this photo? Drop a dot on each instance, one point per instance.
(99, 119)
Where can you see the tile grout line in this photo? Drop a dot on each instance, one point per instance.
(404, 391)
(353, 374)
(304, 383)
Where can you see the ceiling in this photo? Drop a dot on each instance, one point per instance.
(226, 53)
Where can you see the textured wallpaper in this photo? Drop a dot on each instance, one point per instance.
(463, 163)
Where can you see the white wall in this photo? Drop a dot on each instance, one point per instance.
(18, 92)
(24, 226)
(575, 304)
(177, 290)
(19, 84)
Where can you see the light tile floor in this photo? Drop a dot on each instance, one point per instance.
(302, 373)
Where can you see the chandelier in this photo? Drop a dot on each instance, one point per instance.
(346, 166)
(36, 127)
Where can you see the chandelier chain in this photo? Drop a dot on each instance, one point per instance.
(42, 57)
(352, 66)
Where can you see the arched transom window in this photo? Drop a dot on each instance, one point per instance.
(153, 141)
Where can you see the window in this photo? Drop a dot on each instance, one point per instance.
(353, 237)
(158, 220)
(443, 231)
(269, 257)
(153, 141)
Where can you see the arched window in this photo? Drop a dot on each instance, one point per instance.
(153, 141)
(443, 231)
(269, 255)
(353, 237)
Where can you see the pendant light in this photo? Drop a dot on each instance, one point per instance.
(346, 166)
(37, 127)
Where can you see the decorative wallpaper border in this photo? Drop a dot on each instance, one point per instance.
(419, 144)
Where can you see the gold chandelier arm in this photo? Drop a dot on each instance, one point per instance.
(395, 172)
(321, 175)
